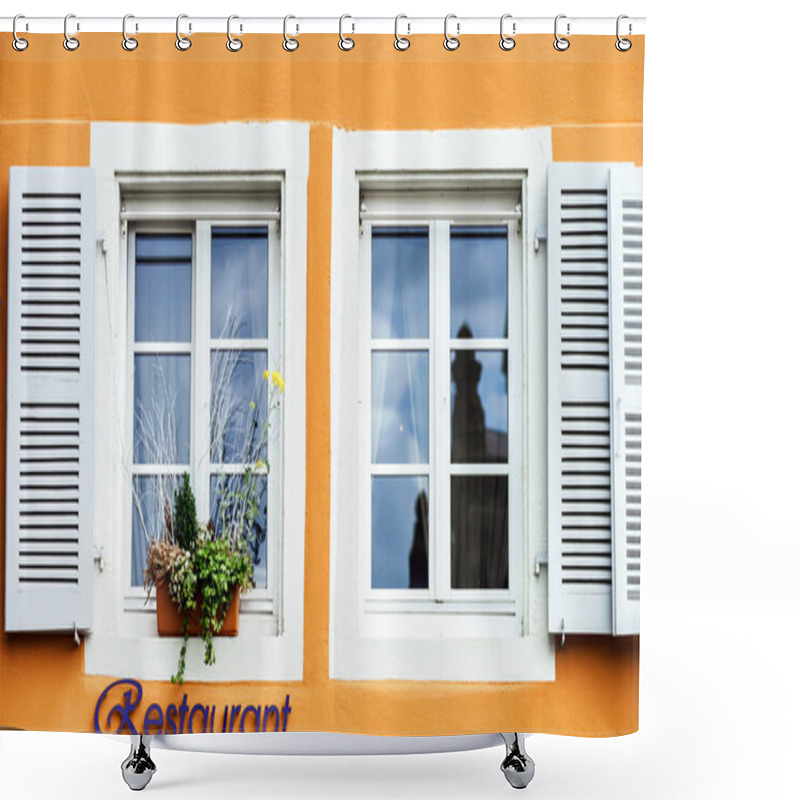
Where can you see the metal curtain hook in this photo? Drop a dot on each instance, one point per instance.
(400, 42)
(623, 45)
(345, 42)
(18, 43)
(451, 42)
(507, 42)
(181, 42)
(128, 42)
(70, 42)
(560, 43)
(289, 44)
(233, 44)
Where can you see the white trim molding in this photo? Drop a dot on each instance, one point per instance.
(438, 178)
(264, 168)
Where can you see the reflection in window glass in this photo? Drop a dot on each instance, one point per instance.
(479, 532)
(399, 283)
(479, 406)
(239, 400)
(399, 407)
(479, 282)
(399, 532)
(239, 276)
(227, 510)
(162, 398)
(163, 288)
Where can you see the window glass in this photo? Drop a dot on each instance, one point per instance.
(239, 400)
(479, 282)
(163, 288)
(473, 346)
(399, 532)
(227, 509)
(151, 494)
(479, 406)
(479, 532)
(162, 408)
(239, 278)
(399, 407)
(399, 283)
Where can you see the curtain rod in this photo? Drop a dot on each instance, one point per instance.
(407, 25)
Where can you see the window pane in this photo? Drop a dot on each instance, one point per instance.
(227, 511)
(479, 282)
(399, 283)
(239, 260)
(399, 532)
(400, 408)
(161, 404)
(479, 406)
(151, 495)
(239, 400)
(163, 296)
(479, 532)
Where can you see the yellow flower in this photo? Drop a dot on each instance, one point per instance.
(265, 376)
(277, 380)
(260, 464)
(252, 404)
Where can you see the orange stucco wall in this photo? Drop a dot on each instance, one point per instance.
(591, 96)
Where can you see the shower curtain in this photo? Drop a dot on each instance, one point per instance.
(322, 382)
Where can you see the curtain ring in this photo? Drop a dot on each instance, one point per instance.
(233, 44)
(400, 42)
(623, 45)
(289, 44)
(507, 42)
(128, 42)
(70, 42)
(560, 44)
(181, 42)
(451, 42)
(345, 42)
(18, 43)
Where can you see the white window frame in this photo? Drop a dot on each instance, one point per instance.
(467, 635)
(228, 212)
(412, 208)
(156, 175)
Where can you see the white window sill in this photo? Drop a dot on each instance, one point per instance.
(498, 659)
(251, 656)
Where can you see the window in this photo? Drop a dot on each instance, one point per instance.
(198, 225)
(444, 384)
(205, 328)
(439, 406)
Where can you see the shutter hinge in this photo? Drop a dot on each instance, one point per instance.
(539, 561)
(539, 237)
(76, 634)
(563, 632)
(98, 558)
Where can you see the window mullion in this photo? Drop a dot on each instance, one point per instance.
(201, 367)
(440, 416)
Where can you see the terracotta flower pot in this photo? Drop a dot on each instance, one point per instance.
(170, 618)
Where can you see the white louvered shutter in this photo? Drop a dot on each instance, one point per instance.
(50, 387)
(625, 210)
(579, 424)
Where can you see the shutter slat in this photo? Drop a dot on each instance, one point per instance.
(594, 256)
(625, 195)
(50, 388)
(579, 460)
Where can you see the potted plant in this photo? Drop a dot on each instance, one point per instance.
(199, 570)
